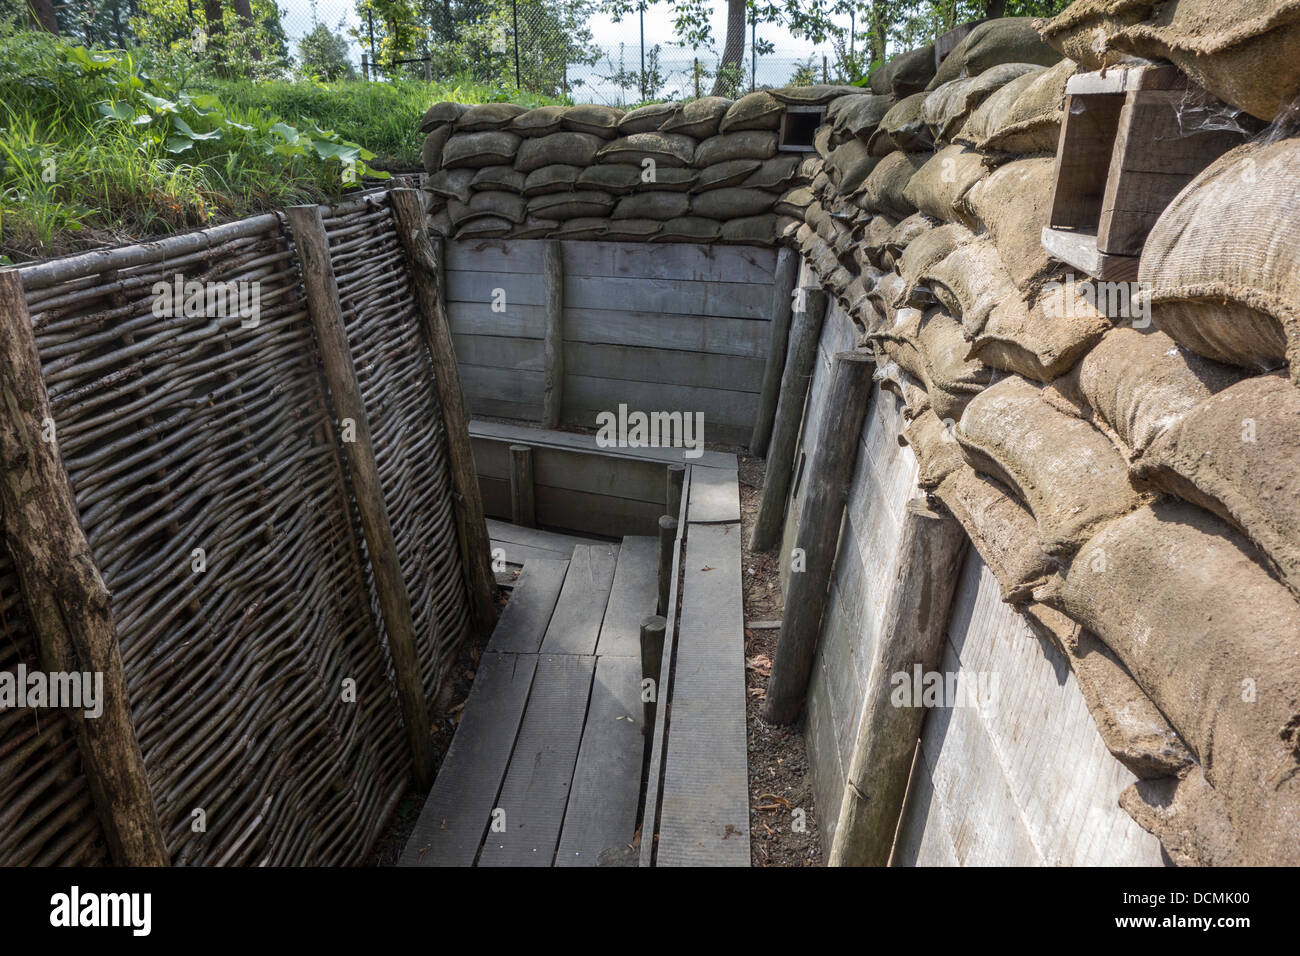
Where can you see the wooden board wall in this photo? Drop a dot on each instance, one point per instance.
(656, 326)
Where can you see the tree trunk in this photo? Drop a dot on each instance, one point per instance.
(995, 8)
(733, 50)
(879, 30)
(244, 11)
(42, 14)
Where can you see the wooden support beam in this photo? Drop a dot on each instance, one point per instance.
(553, 346)
(667, 551)
(425, 259)
(799, 365)
(64, 592)
(653, 627)
(326, 313)
(787, 275)
(523, 507)
(676, 475)
(912, 631)
(819, 534)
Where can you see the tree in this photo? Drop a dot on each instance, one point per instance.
(323, 55)
(42, 14)
(733, 48)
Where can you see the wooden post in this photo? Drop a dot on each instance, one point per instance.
(326, 313)
(553, 394)
(365, 67)
(667, 544)
(523, 510)
(798, 375)
(912, 632)
(819, 534)
(425, 261)
(676, 476)
(652, 655)
(787, 274)
(65, 594)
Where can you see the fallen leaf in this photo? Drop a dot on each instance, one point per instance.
(706, 568)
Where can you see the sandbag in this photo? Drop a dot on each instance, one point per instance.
(1068, 473)
(937, 454)
(583, 203)
(698, 118)
(903, 127)
(1043, 339)
(633, 230)
(1082, 31)
(439, 223)
(774, 174)
(1033, 121)
(532, 228)
(551, 179)
(858, 115)
(751, 230)
(646, 119)
(794, 202)
(817, 95)
(485, 227)
(822, 141)
(495, 148)
(656, 204)
(582, 227)
(892, 377)
(1219, 267)
(925, 249)
(450, 183)
(493, 203)
(733, 172)
(568, 148)
(941, 343)
(943, 180)
(1187, 816)
(1238, 454)
(751, 144)
(498, 177)
(666, 149)
(950, 105)
(732, 203)
(483, 117)
(539, 122)
(758, 110)
(1002, 40)
(602, 121)
(611, 177)
(1013, 203)
(905, 74)
(817, 217)
(849, 166)
(1211, 638)
(431, 151)
(991, 113)
(689, 229)
(970, 282)
(873, 233)
(905, 232)
(1135, 385)
(999, 526)
(884, 190)
(441, 114)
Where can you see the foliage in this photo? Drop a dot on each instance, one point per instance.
(323, 55)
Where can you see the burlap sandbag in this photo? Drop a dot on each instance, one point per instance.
(583, 227)
(903, 127)
(817, 95)
(633, 230)
(786, 226)
(1245, 55)
(937, 453)
(1067, 472)
(992, 112)
(575, 205)
(943, 180)
(950, 105)
(1187, 816)
(439, 223)
(775, 174)
(892, 377)
(822, 186)
(1043, 338)
(751, 230)
(999, 526)
(431, 151)
(944, 349)
(822, 141)
(532, 228)
(494, 203)
(1220, 265)
(1082, 31)
(689, 229)
(817, 217)
(495, 148)
(441, 114)
(733, 172)
(498, 177)
(758, 110)
(666, 149)
(484, 227)
(1032, 124)
(1238, 454)
(903, 233)
(905, 74)
(551, 179)
(1211, 637)
(1013, 203)
(873, 233)
(646, 119)
(656, 204)
(483, 117)
(602, 121)
(751, 144)
(450, 183)
(539, 122)
(612, 177)
(858, 115)
(794, 202)
(1004, 40)
(568, 148)
(970, 282)
(849, 165)
(926, 248)
(698, 118)
(1136, 384)
(885, 189)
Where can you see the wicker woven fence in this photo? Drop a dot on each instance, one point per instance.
(205, 460)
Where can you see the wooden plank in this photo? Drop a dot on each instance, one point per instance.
(1122, 78)
(621, 259)
(698, 333)
(597, 473)
(537, 784)
(478, 318)
(518, 554)
(600, 516)
(1083, 159)
(575, 625)
(561, 544)
(719, 407)
(704, 814)
(715, 495)
(631, 597)
(1079, 249)
(538, 437)
(528, 613)
(607, 778)
(629, 363)
(499, 351)
(783, 290)
(553, 343)
(456, 815)
(510, 385)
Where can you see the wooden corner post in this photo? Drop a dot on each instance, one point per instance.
(312, 247)
(65, 594)
(787, 276)
(424, 260)
(553, 394)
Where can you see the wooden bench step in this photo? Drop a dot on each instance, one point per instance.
(575, 624)
(527, 614)
(632, 597)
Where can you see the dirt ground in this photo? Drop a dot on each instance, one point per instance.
(780, 783)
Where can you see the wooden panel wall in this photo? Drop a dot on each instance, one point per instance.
(669, 327)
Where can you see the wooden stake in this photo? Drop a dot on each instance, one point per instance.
(64, 592)
(676, 475)
(787, 274)
(523, 510)
(326, 313)
(912, 632)
(667, 548)
(652, 655)
(553, 395)
(819, 533)
(425, 260)
(798, 375)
